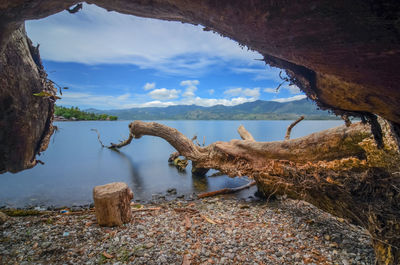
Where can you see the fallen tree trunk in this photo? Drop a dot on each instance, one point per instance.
(340, 170)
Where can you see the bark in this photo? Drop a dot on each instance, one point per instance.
(25, 119)
(113, 204)
(340, 170)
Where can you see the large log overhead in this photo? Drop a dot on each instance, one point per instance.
(344, 54)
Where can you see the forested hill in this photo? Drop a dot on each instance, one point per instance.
(74, 113)
(257, 110)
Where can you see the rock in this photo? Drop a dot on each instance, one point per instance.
(112, 204)
(345, 262)
(3, 218)
(171, 191)
(150, 245)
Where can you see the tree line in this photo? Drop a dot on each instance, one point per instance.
(76, 113)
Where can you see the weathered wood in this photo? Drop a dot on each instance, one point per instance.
(112, 204)
(244, 134)
(226, 190)
(340, 170)
(289, 129)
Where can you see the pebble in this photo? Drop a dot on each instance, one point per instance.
(219, 231)
(3, 218)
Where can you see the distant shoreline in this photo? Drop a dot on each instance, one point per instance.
(323, 119)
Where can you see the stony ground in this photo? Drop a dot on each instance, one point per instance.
(210, 231)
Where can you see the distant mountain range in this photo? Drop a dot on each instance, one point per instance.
(257, 110)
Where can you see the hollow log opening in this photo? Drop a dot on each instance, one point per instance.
(343, 54)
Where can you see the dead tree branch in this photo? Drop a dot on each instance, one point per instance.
(289, 129)
(244, 134)
(98, 137)
(122, 143)
(75, 9)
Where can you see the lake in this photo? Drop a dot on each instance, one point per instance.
(75, 162)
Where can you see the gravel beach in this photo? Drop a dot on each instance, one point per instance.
(209, 231)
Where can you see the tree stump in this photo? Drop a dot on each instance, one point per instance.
(112, 204)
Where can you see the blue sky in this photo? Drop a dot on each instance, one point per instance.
(114, 61)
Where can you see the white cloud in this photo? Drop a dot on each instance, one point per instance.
(208, 102)
(123, 97)
(254, 93)
(157, 103)
(149, 86)
(95, 36)
(270, 90)
(88, 100)
(293, 89)
(164, 94)
(96, 100)
(298, 97)
(247, 92)
(262, 73)
(191, 87)
(233, 91)
(190, 83)
(211, 91)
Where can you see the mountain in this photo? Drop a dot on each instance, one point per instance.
(256, 110)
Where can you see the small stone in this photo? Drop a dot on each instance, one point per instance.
(3, 218)
(46, 244)
(171, 191)
(162, 259)
(149, 245)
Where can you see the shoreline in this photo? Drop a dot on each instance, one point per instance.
(208, 231)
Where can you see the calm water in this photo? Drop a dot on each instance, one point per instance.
(75, 161)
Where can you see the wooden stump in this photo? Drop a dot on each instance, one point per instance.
(112, 204)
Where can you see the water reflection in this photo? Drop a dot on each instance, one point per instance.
(199, 183)
(136, 180)
(75, 161)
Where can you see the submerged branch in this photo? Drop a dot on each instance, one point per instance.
(98, 137)
(122, 143)
(114, 146)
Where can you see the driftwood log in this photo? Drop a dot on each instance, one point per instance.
(340, 170)
(112, 204)
(226, 190)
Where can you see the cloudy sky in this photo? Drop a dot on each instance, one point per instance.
(112, 61)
